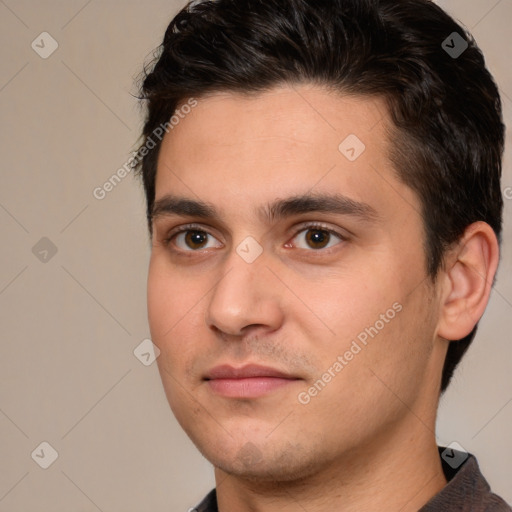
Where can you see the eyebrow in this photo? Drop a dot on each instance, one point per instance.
(279, 209)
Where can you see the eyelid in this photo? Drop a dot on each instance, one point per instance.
(319, 225)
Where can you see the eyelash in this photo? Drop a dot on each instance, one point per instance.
(305, 227)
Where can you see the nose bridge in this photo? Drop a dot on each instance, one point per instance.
(243, 295)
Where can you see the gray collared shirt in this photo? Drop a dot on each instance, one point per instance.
(466, 491)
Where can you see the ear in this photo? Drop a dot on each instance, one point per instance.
(468, 276)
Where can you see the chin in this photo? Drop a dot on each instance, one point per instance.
(266, 463)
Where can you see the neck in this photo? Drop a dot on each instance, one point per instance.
(401, 473)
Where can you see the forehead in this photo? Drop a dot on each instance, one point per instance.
(300, 117)
(238, 150)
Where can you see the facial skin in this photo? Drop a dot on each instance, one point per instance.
(298, 306)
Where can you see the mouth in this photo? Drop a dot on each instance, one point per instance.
(250, 381)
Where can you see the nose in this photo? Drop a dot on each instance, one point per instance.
(245, 299)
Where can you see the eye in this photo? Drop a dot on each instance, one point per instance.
(317, 237)
(192, 239)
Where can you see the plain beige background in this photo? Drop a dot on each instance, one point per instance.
(70, 324)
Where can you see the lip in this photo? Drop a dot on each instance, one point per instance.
(250, 381)
(226, 371)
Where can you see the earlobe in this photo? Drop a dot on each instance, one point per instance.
(469, 276)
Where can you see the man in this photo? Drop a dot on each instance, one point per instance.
(325, 214)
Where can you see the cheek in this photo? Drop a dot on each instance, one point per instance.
(175, 316)
(160, 304)
(342, 306)
(370, 319)
(167, 298)
(166, 306)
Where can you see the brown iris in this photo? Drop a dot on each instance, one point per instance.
(317, 238)
(196, 239)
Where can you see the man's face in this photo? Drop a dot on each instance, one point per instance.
(334, 303)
